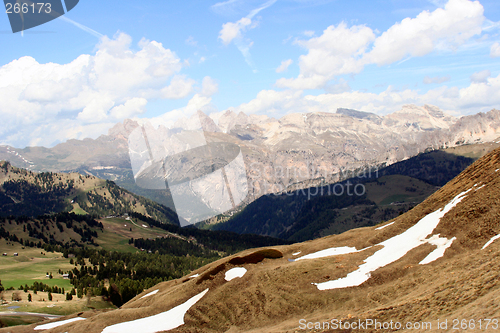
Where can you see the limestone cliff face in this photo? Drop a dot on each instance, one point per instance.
(302, 150)
(295, 151)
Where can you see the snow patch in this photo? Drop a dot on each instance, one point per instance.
(479, 186)
(394, 248)
(57, 323)
(442, 244)
(194, 276)
(333, 251)
(145, 226)
(164, 321)
(296, 253)
(382, 227)
(236, 272)
(494, 238)
(151, 293)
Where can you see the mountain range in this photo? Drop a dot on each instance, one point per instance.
(432, 269)
(295, 151)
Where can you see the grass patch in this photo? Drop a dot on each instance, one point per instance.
(395, 198)
(64, 307)
(15, 320)
(118, 231)
(58, 306)
(78, 210)
(393, 188)
(31, 264)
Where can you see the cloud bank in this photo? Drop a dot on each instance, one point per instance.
(80, 98)
(347, 50)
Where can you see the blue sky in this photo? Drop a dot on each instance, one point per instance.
(80, 74)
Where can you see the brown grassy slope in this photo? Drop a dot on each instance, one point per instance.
(275, 293)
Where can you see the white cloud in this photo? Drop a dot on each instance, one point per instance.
(284, 65)
(303, 82)
(438, 3)
(272, 101)
(443, 28)
(61, 131)
(96, 109)
(477, 97)
(255, 11)
(232, 30)
(225, 8)
(480, 77)
(338, 88)
(81, 26)
(437, 79)
(224, 3)
(197, 102)
(129, 109)
(495, 50)
(244, 48)
(209, 86)
(191, 41)
(343, 50)
(91, 90)
(337, 51)
(179, 87)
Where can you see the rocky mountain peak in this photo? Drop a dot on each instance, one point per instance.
(123, 130)
(230, 119)
(207, 123)
(359, 114)
(416, 118)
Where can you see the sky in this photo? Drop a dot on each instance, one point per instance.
(105, 61)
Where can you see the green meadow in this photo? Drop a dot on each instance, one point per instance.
(31, 264)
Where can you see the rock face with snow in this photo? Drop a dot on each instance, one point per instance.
(295, 151)
(437, 262)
